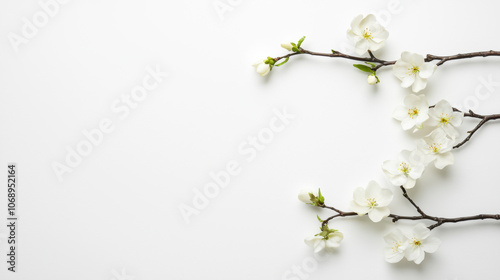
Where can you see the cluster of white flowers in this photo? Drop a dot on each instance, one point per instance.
(435, 147)
(412, 245)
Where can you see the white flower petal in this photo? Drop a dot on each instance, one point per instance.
(359, 209)
(400, 113)
(310, 241)
(443, 160)
(319, 246)
(407, 81)
(457, 118)
(431, 244)
(419, 84)
(410, 183)
(420, 231)
(385, 198)
(359, 196)
(378, 213)
(372, 190)
(426, 70)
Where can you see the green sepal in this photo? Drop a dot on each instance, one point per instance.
(321, 198)
(270, 61)
(285, 61)
(325, 231)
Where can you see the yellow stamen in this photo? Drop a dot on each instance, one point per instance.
(404, 168)
(413, 112)
(372, 202)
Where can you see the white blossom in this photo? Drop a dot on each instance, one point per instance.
(406, 169)
(328, 243)
(443, 116)
(413, 112)
(436, 148)
(367, 34)
(396, 244)
(372, 200)
(413, 71)
(419, 243)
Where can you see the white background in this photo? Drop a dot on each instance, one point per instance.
(119, 208)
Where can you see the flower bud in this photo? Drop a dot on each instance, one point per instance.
(287, 46)
(304, 195)
(372, 80)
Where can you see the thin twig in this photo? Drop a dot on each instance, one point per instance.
(382, 63)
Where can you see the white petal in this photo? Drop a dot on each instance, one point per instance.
(413, 253)
(359, 209)
(420, 257)
(407, 81)
(378, 213)
(310, 241)
(372, 190)
(420, 231)
(391, 167)
(359, 196)
(443, 160)
(457, 119)
(450, 130)
(419, 84)
(431, 244)
(400, 113)
(443, 107)
(394, 236)
(385, 198)
(334, 239)
(400, 69)
(406, 124)
(414, 59)
(355, 24)
(426, 70)
(416, 170)
(398, 180)
(391, 256)
(362, 46)
(319, 246)
(410, 183)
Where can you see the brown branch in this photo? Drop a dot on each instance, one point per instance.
(483, 118)
(423, 216)
(443, 59)
(382, 63)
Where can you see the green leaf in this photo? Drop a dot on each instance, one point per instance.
(319, 219)
(286, 60)
(333, 51)
(364, 68)
(300, 41)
